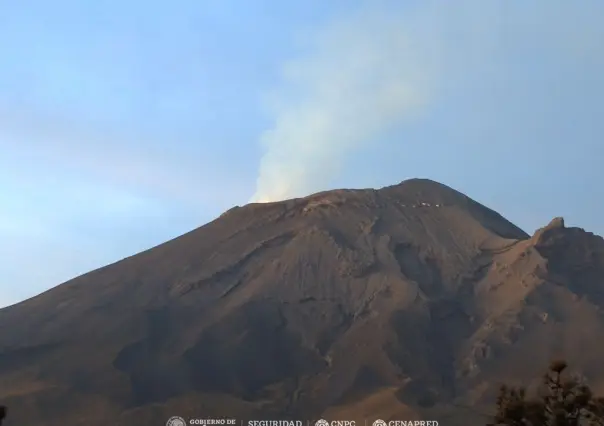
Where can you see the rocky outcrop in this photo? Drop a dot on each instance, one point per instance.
(298, 308)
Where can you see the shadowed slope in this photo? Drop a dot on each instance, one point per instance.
(308, 307)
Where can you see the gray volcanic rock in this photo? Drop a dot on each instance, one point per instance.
(405, 302)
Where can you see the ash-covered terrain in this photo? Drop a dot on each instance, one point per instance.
(412, 301)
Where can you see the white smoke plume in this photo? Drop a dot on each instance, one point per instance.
(375, 70)
(362, 76)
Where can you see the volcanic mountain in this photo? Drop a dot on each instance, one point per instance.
(412, 301)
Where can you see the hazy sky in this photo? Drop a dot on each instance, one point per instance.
(126, 123)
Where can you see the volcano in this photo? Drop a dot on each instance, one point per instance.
(408, 302)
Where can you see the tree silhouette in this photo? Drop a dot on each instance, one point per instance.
(2, 413)
(562, 401)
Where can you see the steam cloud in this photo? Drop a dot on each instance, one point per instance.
(381, 67)
(364, 75)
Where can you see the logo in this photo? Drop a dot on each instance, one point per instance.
(381, 422)
(324, 422)
(176, 421)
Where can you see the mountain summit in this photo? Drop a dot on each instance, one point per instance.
(411, 301)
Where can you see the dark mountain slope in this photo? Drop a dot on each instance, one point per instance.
(412, 299)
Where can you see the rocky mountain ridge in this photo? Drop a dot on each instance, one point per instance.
(412, 301)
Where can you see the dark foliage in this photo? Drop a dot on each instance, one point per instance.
(2, 413)
(562, 401)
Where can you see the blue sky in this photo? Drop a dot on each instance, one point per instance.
(126, 123)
